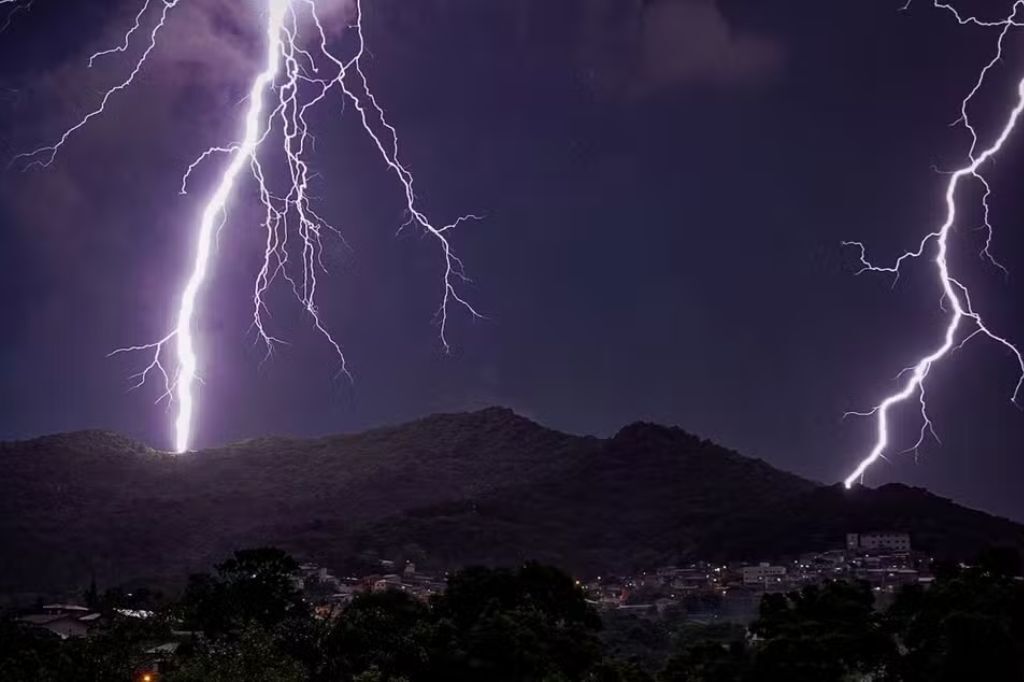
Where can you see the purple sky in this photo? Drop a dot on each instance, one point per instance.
(666, 184)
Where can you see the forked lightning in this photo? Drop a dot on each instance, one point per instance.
(299, 72)
(965, 322)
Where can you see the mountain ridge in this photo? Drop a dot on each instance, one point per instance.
(482, 487)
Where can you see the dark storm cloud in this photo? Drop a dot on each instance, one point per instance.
(687, 41)
(622, 48)
(639, 47)
(209, 48)
(175, 108)
(203, 53)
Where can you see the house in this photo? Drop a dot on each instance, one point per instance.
(63, 620)
(763, 574)
(391, 581)
(875, 542)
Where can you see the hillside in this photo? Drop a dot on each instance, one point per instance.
(488, 486)
(79, 503)
(653, 495)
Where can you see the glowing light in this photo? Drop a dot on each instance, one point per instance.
(964, 323)
(215, 212)
(300, 71)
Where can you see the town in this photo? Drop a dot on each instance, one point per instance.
(701, 592)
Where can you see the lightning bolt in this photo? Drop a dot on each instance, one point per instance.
(15, 7)
(300, 71)
(964, 323)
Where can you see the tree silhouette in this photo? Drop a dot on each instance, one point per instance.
(255, 585)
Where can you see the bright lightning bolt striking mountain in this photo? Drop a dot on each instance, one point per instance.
(299, 72)
(964, 323)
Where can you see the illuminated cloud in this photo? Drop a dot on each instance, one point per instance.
(639, 48)
(692, 41)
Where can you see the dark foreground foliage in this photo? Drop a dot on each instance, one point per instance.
(246, 622)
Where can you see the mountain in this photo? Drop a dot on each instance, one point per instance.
(653, 496)
(447, 490)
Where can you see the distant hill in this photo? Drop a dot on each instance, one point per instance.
(653, 495)
(487, 486)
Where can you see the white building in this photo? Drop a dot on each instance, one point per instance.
(878, 542)
(64, 620)
(763, 574)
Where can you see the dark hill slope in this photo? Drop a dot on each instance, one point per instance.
(823, 517)
(90, 502)
(653, 495)
(488, 486)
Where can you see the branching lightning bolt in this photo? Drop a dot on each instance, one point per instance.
(300, 71)
(13, 8)
(964, 322)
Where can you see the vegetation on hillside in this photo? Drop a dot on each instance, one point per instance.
(488, 488)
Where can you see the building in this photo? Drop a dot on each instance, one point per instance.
(63, 620)
(878, 542)
(763, 574)
(391, 581)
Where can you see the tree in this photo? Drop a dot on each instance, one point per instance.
(525, 625)
(820, 634)
(1003, 562)
(255, 585)
(969, 625)
(374, 675)
(30, 654)
(708, 653)
(708, 661)
(380, 633)
(643, 641)
(611, 670)
(111, 653)
(252, 656)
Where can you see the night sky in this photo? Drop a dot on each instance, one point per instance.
(666, 184)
